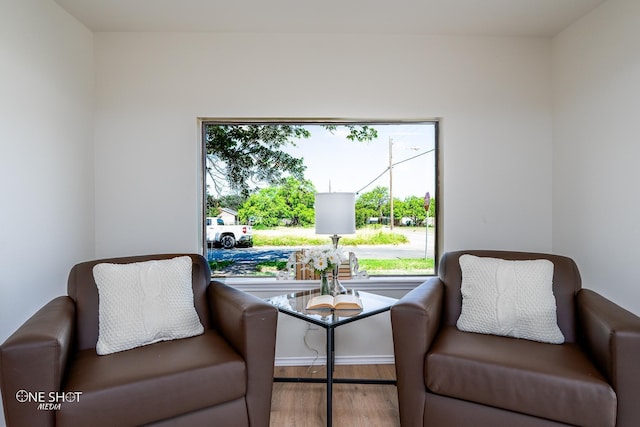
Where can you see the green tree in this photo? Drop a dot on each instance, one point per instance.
(290, 203)
(371, 204)
(413, 207)
(300, 197)
(264, 207)
(398, 210)
(232, 201)
(244, 155)
(432, 208)
(239, 154)
(213, 206)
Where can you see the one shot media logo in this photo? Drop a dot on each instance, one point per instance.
(48, 401)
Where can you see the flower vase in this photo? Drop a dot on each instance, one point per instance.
(324, 283)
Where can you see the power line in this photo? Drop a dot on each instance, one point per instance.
(373, 180)
(394, 164)
(411, 158)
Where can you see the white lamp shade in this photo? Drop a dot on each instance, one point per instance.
(335, 213)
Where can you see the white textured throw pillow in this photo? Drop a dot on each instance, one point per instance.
(144, 302)
(509, 298)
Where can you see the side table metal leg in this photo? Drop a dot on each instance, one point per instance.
(330, 362)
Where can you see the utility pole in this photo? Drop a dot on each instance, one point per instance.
(391, 183)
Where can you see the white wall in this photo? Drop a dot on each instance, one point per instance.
(596, 70)
(493, 95)
(46, 155)
(46, 165)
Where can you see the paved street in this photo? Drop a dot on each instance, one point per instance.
(246, 259)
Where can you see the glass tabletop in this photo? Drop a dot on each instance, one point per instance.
(295, 304)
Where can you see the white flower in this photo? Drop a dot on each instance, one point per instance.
(322, 259)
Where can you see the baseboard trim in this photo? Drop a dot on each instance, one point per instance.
(340, 360)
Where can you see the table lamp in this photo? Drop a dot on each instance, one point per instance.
(335, 215)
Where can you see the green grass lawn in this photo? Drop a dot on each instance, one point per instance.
(399, 266)
(285, 240)
(373, 238)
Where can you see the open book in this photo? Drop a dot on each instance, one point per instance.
(338, 302)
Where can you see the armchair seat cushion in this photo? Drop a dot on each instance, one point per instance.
(153, 382)
(555, 382)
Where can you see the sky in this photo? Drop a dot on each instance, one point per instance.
(337, 164)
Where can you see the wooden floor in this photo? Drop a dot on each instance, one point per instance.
(354, 405)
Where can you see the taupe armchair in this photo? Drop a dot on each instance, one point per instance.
(447, 377)
(222, 377)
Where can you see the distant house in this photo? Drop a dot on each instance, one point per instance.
(408, 221)
(384, 220)
(229, 216)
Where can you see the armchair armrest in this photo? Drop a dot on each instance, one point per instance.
(249, 325)
(611, 335)
(33, 359)
(415, 321)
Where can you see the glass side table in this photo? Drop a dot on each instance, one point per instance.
(294, 304)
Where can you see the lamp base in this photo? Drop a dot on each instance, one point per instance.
(336, 287)
(335, 239)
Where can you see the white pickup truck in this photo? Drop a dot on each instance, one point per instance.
(228, 236)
